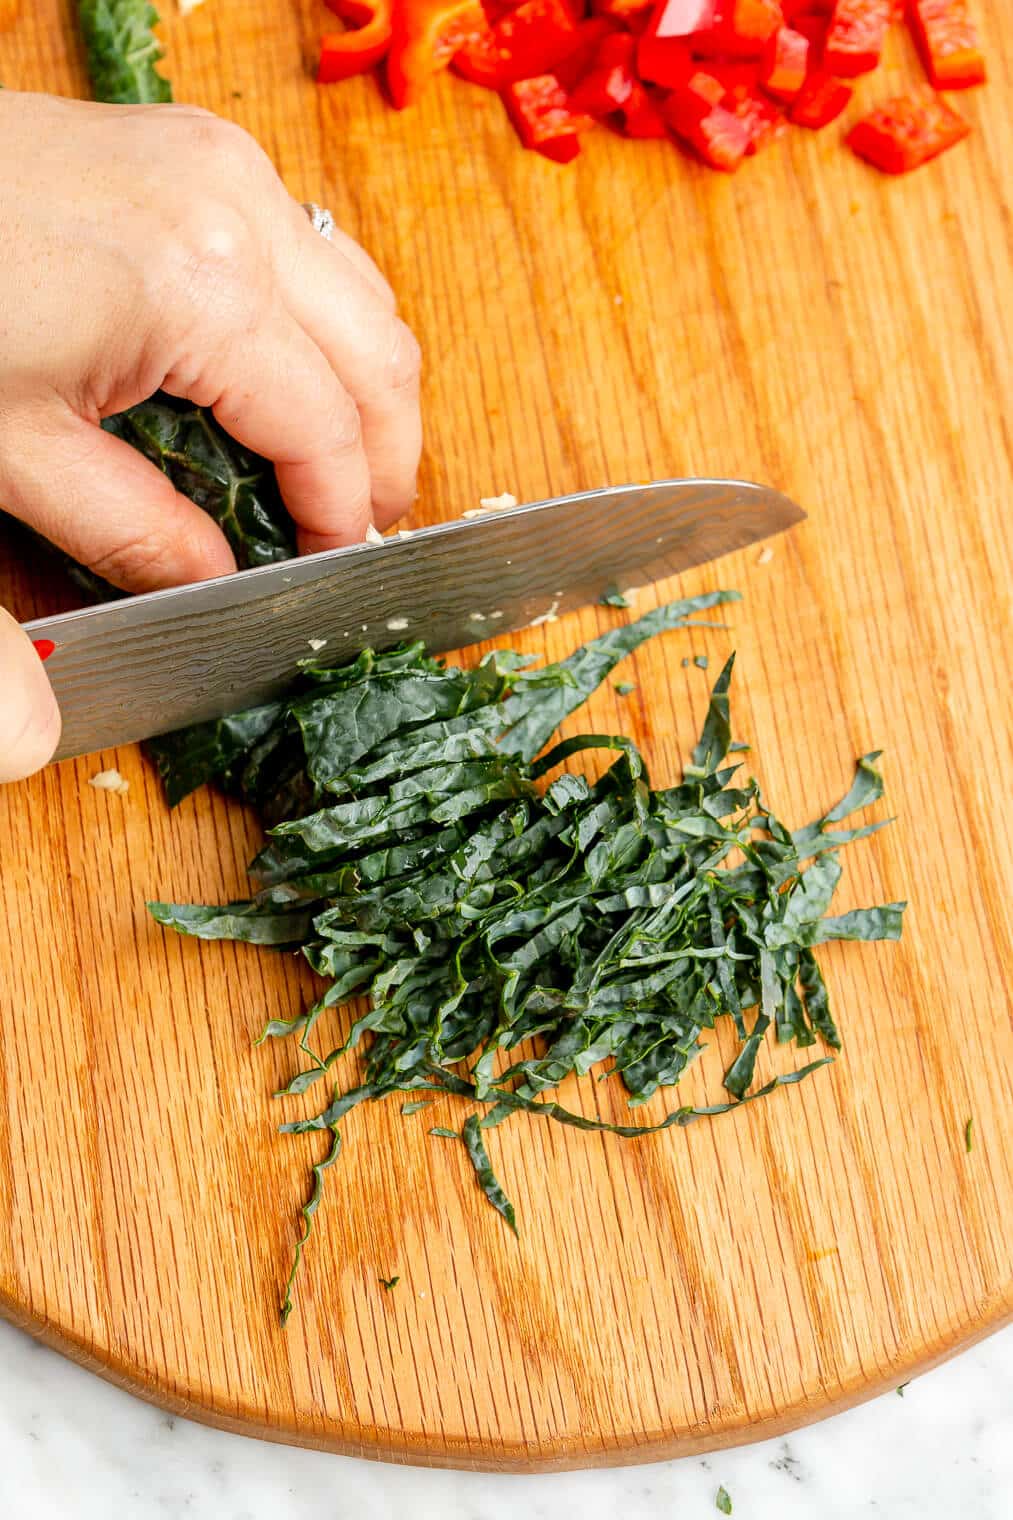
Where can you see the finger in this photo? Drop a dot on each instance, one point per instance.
(361, 262)
(29, 716)
(109, 507)
(274, 391)
(375, 355)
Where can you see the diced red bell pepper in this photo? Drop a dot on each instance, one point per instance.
(540, 111)
(664, 57)
(761, 117)
(608, 84)
(584, 54)
(533, 38)
(603, 91)
(617, 48)
(855, 39)
(641, 117)
(902, 133)
(947, 40)
(785, 61)
(343, 54)
(821, 100)
(739, 76)
(479, 60)
(813, 23)
(424, 38)
(625, 11)
(741, 29)
(683, 18)
(714, 132)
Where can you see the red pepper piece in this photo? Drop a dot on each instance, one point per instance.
(608, 85)
(603, 91)
(761, 118)
(716, 134)
(683, 18)
(741, 29)
(821, 100)
(785, 61)
(902, 133)
(479, 60)
(540, 111)
(343, 54)
(948, 43)
(664, 57)
(583, 54)
(617, 48)
(533, 38)
(425, 36)
(624, 11)
(855, 39)
(43, 648)
(739, 76)
(641, 117)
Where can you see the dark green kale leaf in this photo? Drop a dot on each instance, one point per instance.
(122, 52)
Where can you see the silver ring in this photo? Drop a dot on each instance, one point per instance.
(321, 220)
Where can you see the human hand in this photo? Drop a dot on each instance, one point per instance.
(149, 247)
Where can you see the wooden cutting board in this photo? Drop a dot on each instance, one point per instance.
(807, 323)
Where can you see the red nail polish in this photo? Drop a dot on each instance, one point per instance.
(43, 648)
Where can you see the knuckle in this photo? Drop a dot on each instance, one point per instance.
(205, 267)
(224, 144)
(141, 563)
(344, 426)
(404, 362)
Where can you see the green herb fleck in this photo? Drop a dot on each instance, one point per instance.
(701, 661)
(613, 597)
(901, 1387)
(442, 1133)
(122, 51)
(968, 1135)
(624, 688)
(415, 1108)
(684, 662)
(722, 1501)
(389, 1283)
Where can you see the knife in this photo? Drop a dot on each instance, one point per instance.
(147, 664)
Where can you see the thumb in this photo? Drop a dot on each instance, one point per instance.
(29, 716)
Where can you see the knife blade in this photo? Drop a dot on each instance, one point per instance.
(128, 669)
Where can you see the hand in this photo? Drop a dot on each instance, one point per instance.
(149, 247)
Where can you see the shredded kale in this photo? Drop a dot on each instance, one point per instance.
(389, 1283)
(122, 51)
(513, 924)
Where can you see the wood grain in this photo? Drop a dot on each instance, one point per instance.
(807, 323)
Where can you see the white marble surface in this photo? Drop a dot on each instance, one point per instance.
(73, 1448)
